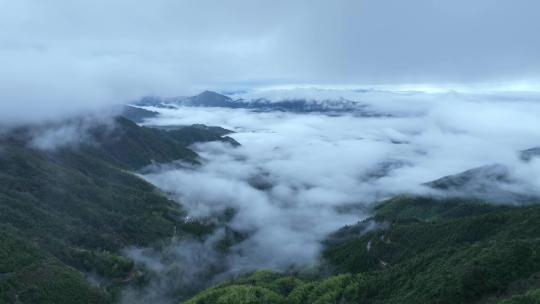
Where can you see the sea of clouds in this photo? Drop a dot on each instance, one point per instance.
(298, 177)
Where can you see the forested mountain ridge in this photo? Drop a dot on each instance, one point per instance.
(136, 114)
(68, 208)
(413, 250)
(472, 241)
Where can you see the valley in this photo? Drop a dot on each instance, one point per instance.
(169, 210)
(269, 152)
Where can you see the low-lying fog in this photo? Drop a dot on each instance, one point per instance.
(298, 177)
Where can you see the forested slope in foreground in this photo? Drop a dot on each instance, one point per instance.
(413, 250)
(66, 211)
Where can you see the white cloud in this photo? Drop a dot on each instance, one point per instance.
(59, 56)
(318, 164)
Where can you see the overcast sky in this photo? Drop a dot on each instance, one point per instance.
(77, 53)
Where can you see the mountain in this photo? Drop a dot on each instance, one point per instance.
(29, 274)
(493, 183)
(200, 133)
(155, 101)
(67, 210)
(413, 250)
(530, 154)
(136, 114)
(213, 99)
(476, 243)
(188, 135)
(209, 99)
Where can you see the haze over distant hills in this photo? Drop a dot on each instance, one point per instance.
(213, 99)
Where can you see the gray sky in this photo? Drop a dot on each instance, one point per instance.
(80, 53)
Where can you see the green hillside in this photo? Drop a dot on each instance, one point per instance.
(414, 250)
(29, 274)
(66, 213)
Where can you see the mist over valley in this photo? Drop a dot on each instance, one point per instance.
(278, 152)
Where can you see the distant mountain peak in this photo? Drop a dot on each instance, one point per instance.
(211, 95)
(209, 99)
(296, 104)
(208, 93)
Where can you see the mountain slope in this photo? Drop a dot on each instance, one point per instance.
(529, 154)
(201, 133)
(493, 183)
(213, 99)
(209, 99)
(414, 250)
(77, 205)
(31, 275)
(136, 114)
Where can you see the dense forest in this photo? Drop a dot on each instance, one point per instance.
(413, 250)
(66, 213)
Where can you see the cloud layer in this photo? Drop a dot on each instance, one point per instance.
(65, 55)
(298, 177)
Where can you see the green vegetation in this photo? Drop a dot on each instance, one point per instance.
(66, 213)
(416, 250)
(130, 146)
(201, 133)
(531, 297)
(30, 275)
(137, 114)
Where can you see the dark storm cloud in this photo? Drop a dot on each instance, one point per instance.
(68, 54)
